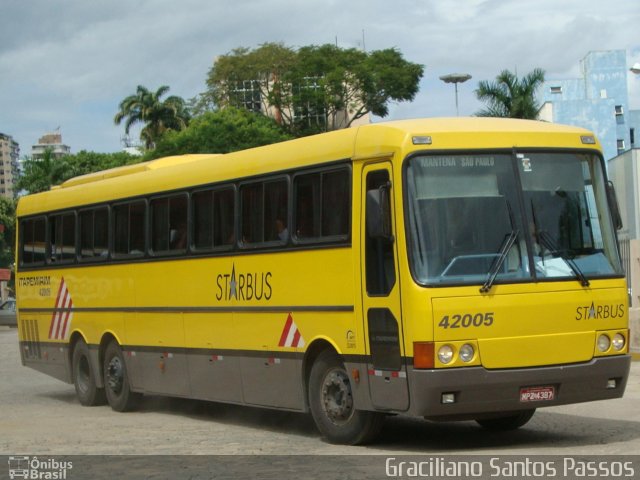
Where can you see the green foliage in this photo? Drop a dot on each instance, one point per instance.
(314, 88)
(224, 131)
(509, 96)
(231, 73)
(157, 116)
(41, 174)
(85, 162)
(7, 235)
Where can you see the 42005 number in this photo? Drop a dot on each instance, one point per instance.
(467, 320)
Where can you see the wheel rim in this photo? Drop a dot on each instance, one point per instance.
(337, 399)
(115, 375)
(83, 374)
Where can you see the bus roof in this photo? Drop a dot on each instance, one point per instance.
(366, 141)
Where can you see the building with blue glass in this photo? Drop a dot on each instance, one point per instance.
(598, 100)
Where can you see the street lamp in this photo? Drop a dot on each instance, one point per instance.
(635, 68)
(456, 78)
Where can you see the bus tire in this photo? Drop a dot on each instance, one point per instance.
(84, 377)
(116, 380)
(331, 404)
(506, 423)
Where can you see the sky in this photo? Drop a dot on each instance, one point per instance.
(67, 64)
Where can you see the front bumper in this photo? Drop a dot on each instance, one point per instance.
(479, 391)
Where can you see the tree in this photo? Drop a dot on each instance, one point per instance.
(40, 174)
(85, 162)
(7, 231)
(223, 131)
(314, 88)
(247, 78)
(157, 116)
(509, 96)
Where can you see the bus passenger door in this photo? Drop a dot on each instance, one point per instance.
(381, 292)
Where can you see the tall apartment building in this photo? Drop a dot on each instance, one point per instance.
(51, 141)
(597, 100)
(9, 157)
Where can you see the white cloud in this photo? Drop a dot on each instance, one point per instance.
(70, 62)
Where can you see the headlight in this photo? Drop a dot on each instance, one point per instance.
(603, 343)
(445, 354)
(467, 352)
(618, 341)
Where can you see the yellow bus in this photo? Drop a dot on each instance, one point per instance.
(451, 269)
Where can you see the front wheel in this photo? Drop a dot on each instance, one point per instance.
(508, 422)
(116, 380)
(331, 403)
(84, 377)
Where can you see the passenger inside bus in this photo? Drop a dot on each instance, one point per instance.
(179, 237)
(281, 229)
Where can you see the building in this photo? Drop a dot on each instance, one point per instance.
(598, 100)
(52, 141)
(9, 166)
(303, 110)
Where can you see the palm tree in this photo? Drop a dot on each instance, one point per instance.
(156, 115)
(509, 96)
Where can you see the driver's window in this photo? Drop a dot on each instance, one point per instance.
(380, 264)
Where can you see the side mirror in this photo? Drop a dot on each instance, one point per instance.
(378, 210)
(613, 205)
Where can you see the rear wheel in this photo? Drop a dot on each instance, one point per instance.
(332, 407)
(116, 380)
(84, 377)
(508, 422)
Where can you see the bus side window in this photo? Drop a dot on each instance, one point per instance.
(306, 205)
(62, 238)
(213, 218)
(264, 207)
(129, 228)
(94, 234)
(321, 205)
(223, 217)
(252, 213)
(33, 241)
(169, 224)
(336, 196)
(276, 211)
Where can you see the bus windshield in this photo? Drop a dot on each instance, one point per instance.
(513, 217)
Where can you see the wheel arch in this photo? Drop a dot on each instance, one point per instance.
(74, 338)
(316, 347)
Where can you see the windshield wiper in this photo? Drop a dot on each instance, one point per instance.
(497, 264)
(502, 254)
(547, 242)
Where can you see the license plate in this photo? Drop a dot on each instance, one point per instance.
(537, 394)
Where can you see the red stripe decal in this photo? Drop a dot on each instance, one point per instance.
(65, 317)
(53, 316)
(63, 314)
(296, 338)
(285, 332)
